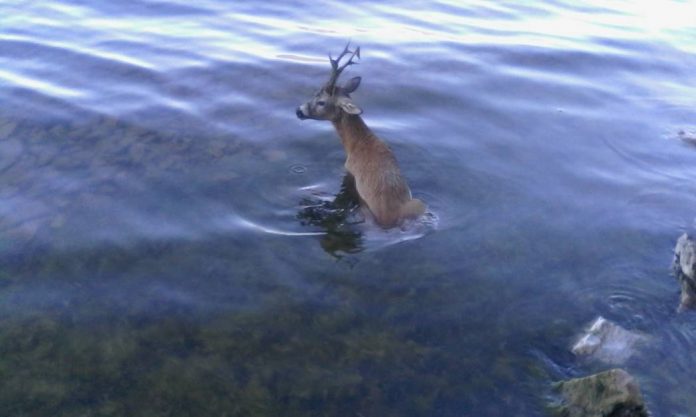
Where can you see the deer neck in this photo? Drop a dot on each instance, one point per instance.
(353, 132)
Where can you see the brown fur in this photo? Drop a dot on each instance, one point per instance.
(377, 176)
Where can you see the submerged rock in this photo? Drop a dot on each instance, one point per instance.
(685, 270)
(613, 393)
(607, 342)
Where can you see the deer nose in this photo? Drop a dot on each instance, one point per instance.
(300, 114)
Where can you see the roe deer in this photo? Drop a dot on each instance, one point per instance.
(369, 160)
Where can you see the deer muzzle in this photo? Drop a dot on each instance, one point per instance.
(300, 113)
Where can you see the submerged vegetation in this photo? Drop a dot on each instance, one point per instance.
(238, 324)
(108, 343)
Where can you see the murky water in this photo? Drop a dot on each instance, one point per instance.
(169, 243)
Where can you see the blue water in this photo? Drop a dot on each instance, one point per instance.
(169, 244)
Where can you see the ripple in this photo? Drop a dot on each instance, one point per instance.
(375, 238)
(640, 156)
(297, 169)
(45, 87)
(153, 8)
(679, 340)
(634, 296)
(235, 222)
(129, 78)
(20, 46)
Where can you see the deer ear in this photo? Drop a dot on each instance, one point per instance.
(348, 106)
(351, 85)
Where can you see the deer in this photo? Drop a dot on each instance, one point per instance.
(381, 188)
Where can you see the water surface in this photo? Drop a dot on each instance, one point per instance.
(169, 244)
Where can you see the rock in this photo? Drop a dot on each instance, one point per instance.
(613, 393)
(607, 342)
(685, 269)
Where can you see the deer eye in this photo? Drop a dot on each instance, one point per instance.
(321, 102)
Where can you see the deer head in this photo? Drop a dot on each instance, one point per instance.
(331, 101)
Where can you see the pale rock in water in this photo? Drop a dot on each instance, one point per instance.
(607, 342)
(685, 270)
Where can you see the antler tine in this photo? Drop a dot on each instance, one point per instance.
(334, 62)
(336, 70)
(350, 59)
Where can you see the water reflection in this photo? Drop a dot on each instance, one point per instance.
(337, 215)
(349, 228)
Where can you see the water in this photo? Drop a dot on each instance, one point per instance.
(169, 243)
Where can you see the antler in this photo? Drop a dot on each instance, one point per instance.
(336, 70)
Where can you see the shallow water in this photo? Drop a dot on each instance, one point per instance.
(169, 244)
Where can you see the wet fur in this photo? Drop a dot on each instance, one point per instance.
(377, 175)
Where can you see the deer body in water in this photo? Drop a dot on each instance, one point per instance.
(378, 180)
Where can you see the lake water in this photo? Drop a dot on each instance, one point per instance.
(169, 245)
